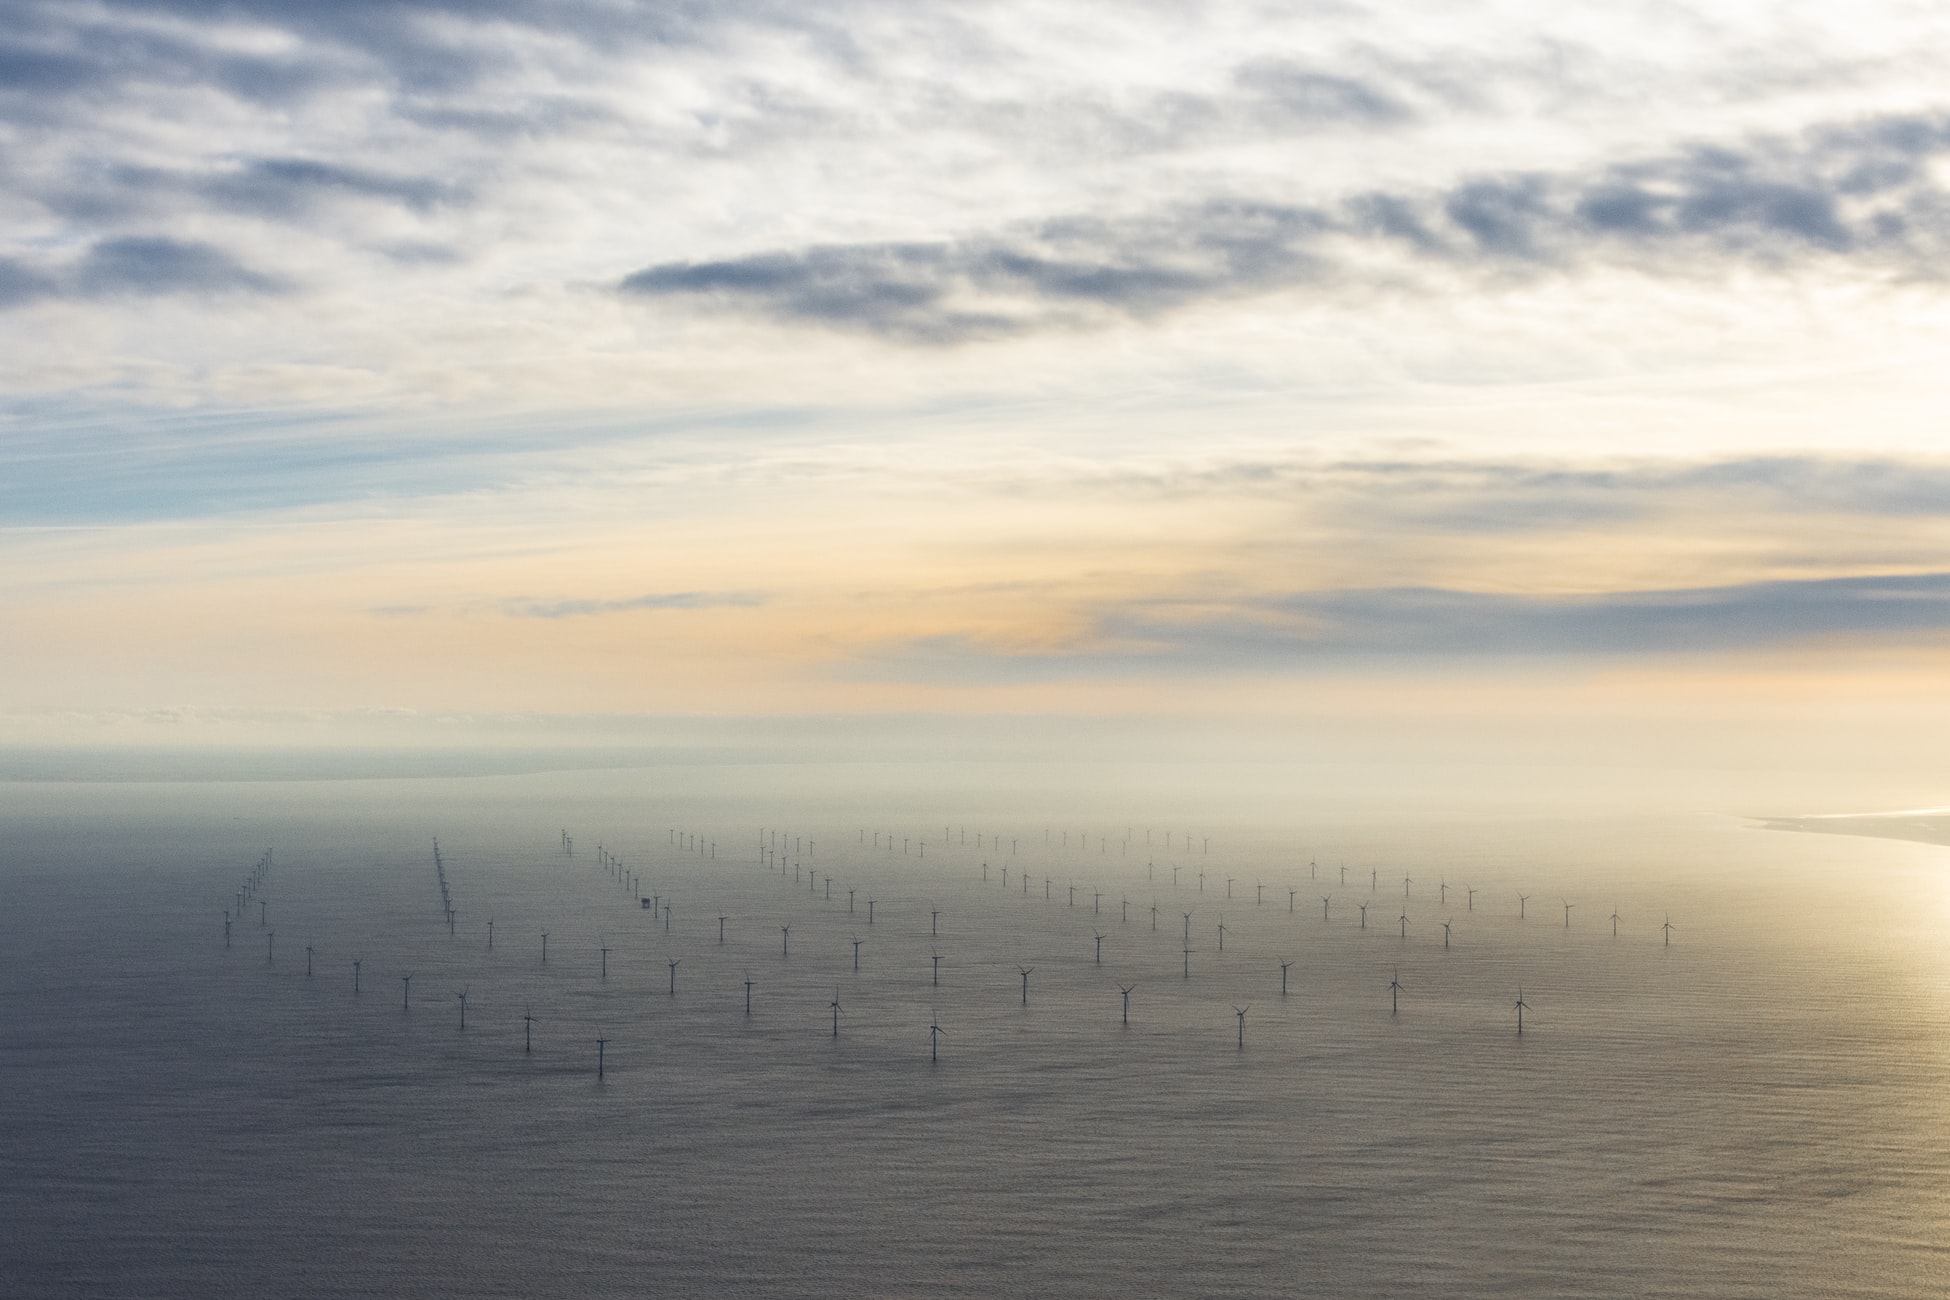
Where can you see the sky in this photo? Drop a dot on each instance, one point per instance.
(373, 366)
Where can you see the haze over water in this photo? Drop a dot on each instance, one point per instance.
(1755, 1110)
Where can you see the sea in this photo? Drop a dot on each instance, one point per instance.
(1731, 1081)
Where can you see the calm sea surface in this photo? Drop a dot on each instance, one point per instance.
(1760, 1109)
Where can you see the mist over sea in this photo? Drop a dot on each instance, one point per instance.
(1758, 1109)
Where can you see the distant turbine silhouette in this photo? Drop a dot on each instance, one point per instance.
(673, 963)
(1668, 927)
(1125, 989)
(1445, 936)
(836, 1002)
(1027, 971)
(1395, 991)
(1614, 920)
(1567, 914)
(406, 992)
(1100, 948)
(934, 1040)
(1284, 965)
(1522, 901)
(1522, 1006)
(1241, 1013)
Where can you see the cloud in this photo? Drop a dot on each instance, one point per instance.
(136, 267)
(150, 267)
(1863, 191)
(1376, 626)
(288, 188)
(528, 607)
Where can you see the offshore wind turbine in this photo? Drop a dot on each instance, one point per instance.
(1284, 966)
(937, 966)
(1522, 1006)
(462, 995)
(1445, 936)
(1395, 991)
(748, 995)
(1567, 914)
(1100, 947)
(836, 993)
(527, 1030)
(406, 991)
(935, 1031)
(1668, 927)
(1125, 989)
(1614, 920)
(1027, 971)
(1241, 1013)
(356, 963)
(674, 963)
(1523, 900)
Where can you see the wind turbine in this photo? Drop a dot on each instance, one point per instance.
(1522, 901)
(1283, 970)
(1567, 914)
(673, 963)
(406, 991)
(1241, 1013)
(462, 995)
(1522, 1006)
(1445, 936)
(527, 1029)
(1668, 927)
(1125, 989)
(1100, 948)
(836, 1013)
(935, 1031)
(1027, 971)
(1614, 920)
(1395, 991)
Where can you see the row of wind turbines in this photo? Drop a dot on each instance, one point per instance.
(773, 852)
